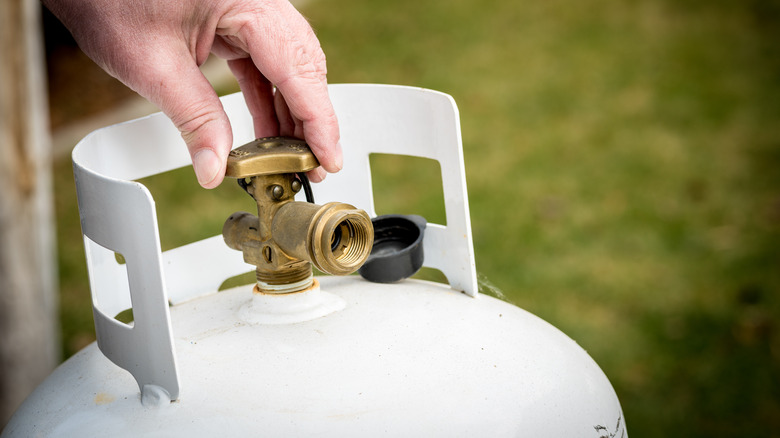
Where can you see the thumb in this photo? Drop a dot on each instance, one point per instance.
(158, 64)
(182, 92)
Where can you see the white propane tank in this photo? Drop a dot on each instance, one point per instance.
(345, 358)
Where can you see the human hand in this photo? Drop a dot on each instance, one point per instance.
(156, 47)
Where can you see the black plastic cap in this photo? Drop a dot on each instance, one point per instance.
(398, 248)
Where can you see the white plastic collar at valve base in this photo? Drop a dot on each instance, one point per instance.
(290, 308)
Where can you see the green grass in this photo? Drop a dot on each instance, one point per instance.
(623, 165)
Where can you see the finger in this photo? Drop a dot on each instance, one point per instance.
(158, 63)
(319, 127)
(259, 96)
(286, 122)
(316, 175)
(288, 53)
(298, 131)
(175, 84)
(292, 127)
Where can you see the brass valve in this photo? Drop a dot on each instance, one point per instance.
(288, 236)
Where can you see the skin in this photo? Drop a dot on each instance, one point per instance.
(156, 47)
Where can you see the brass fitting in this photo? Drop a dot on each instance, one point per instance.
(287, 236)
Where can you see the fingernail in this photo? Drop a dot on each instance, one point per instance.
(206, 165)
(338, 158)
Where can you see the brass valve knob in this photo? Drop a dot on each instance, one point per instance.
(287, 236)
(270, 156)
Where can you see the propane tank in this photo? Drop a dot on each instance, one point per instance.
(295, 354)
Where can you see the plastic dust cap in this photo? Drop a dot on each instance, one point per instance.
(398, 248)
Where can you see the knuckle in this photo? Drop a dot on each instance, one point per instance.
(193, 120)
(308, 63)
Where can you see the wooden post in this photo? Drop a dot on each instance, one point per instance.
(29, 344)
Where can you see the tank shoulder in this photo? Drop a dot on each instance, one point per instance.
(413, 358)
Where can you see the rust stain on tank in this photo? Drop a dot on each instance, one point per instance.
(101, 398)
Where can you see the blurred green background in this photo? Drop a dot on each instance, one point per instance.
(623, 166)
